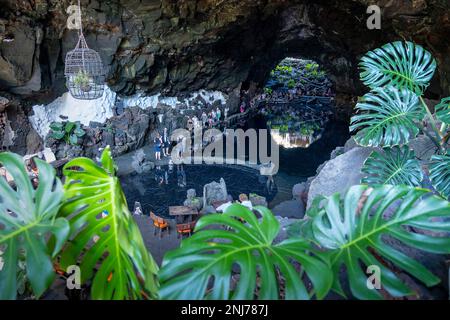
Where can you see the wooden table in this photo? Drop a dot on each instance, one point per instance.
(177, 211)
(182, 211)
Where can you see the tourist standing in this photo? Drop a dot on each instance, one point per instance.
(158, 146)
(210, 120)
(214, 116)
(166, 143)
(219, 114)
(195, 121)
(190, 124)
(204, 119)
(242, 108)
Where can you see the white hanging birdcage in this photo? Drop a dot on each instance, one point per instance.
(84, 71)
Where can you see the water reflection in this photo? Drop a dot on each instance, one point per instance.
(167, 185)
(296, 125)
(290, 140)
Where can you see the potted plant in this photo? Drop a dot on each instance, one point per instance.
(83, 81)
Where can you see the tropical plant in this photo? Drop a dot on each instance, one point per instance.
(366, 227)
(86, 223)
(394, 111)
(265, 268)
(83, 80)
(70, 132)
(440, 174)
(27, 216)
(443, 110)
(234, 255)
(393, 166)
(103, 233)
(387, 117)
(399, 64)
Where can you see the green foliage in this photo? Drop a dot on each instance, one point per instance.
(68, 131)
(82, 80)
(27, 215)
(212, 253)
(112, 242)
(440, 174)
(312, 66)
(386, 117)
(359, 230)
(351, 231)
(395, 166)
(291, 83)
(354, 230)
(268, 90)
(404, 65)
(292, 73)
(443, 110)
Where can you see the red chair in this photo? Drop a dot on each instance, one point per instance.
(159, 224)
(185, 229)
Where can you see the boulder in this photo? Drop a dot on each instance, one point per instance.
(140, 164)
(299, 191)
(214, 191)
(257, 200)
(191, 194)
(192, 200)
(290, 209)
(339, 174)
(423, 147)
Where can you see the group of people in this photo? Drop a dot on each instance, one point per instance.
(213, 118)
(243, 200)
(162, 144)
(207, 120)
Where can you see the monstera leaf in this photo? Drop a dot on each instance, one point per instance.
(399, 64)
(202, 267)
(440, 174)
(386, 117)
(443, 110)
(27, 216)
(394, 166)
(355, 230)
(104, 235)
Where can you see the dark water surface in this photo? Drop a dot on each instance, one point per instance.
(164, 187)
(167, 186)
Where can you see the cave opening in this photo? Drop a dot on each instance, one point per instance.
(297, 106)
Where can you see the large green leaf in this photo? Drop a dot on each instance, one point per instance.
(110, 242)
(27, 215)
(354, 231)
(440, 174)
(202, 267)
(393, 166)
(70, 126)
(57, 126)
(386, 117)
(57, 135)
(443, 110)
(404, 65)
